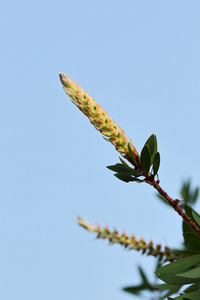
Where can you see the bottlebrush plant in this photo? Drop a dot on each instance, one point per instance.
(183, 265)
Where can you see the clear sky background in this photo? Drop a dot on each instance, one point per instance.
(140, 60)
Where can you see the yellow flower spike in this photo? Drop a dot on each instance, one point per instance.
(99, 118)
(113, 131)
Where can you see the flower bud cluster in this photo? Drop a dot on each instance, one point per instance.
(131, 243)
(98, 117)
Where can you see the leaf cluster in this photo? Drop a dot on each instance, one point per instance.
(124, 172)
(185, 271)
(149, 159)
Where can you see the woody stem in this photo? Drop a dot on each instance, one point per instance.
(174, 204)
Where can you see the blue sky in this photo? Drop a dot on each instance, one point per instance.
(140, 61)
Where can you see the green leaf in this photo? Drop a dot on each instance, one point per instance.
(174, 289)
(152, 144)
(166, 286)
(189, 296)
(145, 159)
(192, 240)
(194, 274)
(193, 288)
(162, 199)
(127, 178)
(126, 165)
(186, 252)
(195, 195)
(131, 170)
(124, 177)
(143, 276)
(188, 195)
(185, 191)
(189, 212)
(156, 163)
(135, 289)
(179, 265)
(174, 279)
(132, 155)
(196, 217)
(118, 168)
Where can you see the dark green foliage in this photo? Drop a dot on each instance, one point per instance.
(132, 155)
(152, 144)
(179, 265)
(124, 172)
(189, 196)
(149, 156)
(156, 163)
(184, 271)
(192, 241)
(145, 159)
(145, 285)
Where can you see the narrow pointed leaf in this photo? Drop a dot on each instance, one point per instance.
(192, 240)
(135, 290)
(152, 143)
(120, 168)
(166, 286)
(132, 155)
(193, 288)
(145, 159)
(189, 211)
(162, 199)
(174, 279)
(186, 252)
(196, 217)
(189, 296)
(132, 171)
(142, 274)
(127, 178)
(126, 165)
(194, 273)
(156, 163)
(179, 265)
(196, 194)
(124, 177)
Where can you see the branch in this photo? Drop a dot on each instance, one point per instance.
(174, 204)
(114, 134)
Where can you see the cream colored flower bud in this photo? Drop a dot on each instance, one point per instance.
(98, 117)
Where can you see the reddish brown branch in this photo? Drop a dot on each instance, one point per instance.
(174, 204)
